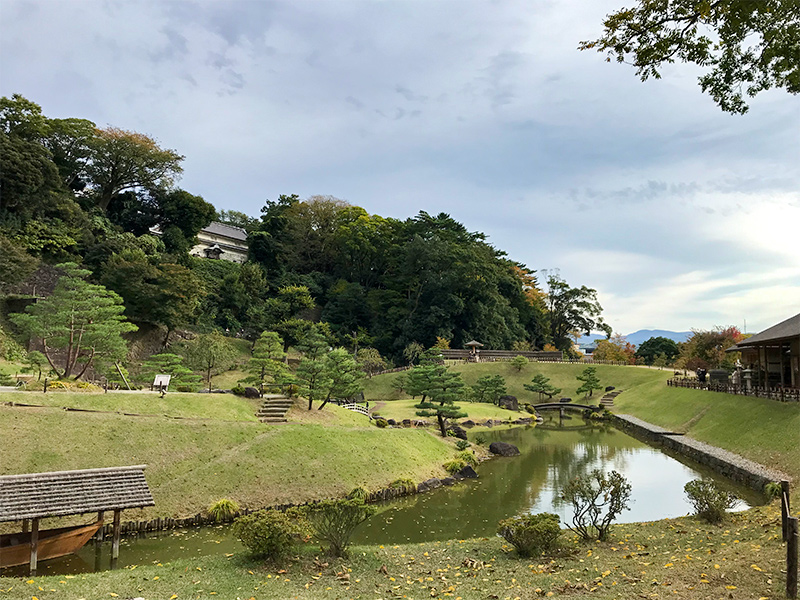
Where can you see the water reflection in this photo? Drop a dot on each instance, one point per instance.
(551, 454)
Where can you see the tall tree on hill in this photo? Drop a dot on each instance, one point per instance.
(590, 381)
(312, 374)
(125, 160)
(346, 379)
(79, 323)
(572, 308)
(540, 384)
(650, 349)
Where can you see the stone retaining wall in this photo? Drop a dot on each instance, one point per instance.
(731, 465)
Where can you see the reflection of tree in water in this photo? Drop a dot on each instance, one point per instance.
(506, 487)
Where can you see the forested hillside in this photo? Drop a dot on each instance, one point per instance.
(73, 192)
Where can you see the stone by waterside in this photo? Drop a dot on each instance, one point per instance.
(503, 449)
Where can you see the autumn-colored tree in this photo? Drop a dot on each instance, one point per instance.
(616, 349)
(706, 349)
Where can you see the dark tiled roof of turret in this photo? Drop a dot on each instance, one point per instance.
(784, 330)
(236, 233)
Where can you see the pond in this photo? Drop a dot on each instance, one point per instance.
(551, 454)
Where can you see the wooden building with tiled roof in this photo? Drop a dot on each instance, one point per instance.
(773, 354)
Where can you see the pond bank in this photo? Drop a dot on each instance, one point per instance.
(729, 464)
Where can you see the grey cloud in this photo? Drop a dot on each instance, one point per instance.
(174, 47)
(409, 95)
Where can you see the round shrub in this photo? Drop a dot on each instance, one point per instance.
(708, 500)
(272, 533)
(334, 522)
(531, 535)
(238, 390)
(772, 490)
(462, 444)
(381, 423)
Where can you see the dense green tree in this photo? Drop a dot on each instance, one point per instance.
(744, 47)
(412, 352)
(371, 361)
(590, 382)
(443, 389)
(79, 323)
(345, 376)
(166, 363)
(210, 353)
(15, 264)
(312, 374)
(572, 308)
(182, 216)
(237, 219)
(541, 385)
(163, 294)
(655, 346)
(489, 388)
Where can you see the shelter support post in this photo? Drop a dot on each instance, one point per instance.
(791, 559)
(115, 539)
(25, 525)
(98, 537)
(34, 545)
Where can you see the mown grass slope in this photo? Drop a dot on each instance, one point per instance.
(192, 463)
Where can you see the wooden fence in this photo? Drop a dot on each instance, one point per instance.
(773, 393)
(790, 537)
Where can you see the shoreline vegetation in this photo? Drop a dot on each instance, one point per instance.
(194, 462)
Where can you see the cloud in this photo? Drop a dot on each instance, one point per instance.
(679, 215)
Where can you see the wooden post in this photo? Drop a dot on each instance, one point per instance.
(98, 537)
(34, 545)
(791, 559)
(44, 389)
(115, 539)
(25, 525)
(785, 509)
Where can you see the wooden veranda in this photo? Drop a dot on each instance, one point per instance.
(31, 497)
(771, 359)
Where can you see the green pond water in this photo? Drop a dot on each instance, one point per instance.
(551, 454)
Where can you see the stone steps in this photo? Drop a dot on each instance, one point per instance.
(608, 399)
(274, 409)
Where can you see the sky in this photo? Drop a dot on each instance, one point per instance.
(679, 215)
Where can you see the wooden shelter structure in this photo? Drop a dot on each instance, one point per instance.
(773, 356)
(34, 496)
(473, 346)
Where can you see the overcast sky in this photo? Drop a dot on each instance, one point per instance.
(681, 216)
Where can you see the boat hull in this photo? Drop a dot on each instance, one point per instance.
(15, 549)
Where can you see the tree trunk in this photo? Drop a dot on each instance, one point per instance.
(310, 402)
(442, 424)
(325, 402)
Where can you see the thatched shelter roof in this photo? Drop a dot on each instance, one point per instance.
(61, 493)
(474, 344)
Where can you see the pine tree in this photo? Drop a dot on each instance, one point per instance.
(542, 386)
(489, 388)
(590, 381)
(172, 365)
(344, 373)
(266, 364)
(79, 323)
(443, 389)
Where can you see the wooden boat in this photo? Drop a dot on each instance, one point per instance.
(15, 548)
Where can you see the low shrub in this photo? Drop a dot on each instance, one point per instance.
(272, 533)
(85, 386)
(223, 510)
(480, 439)
(467, 457)
(238, 390)
(531, 535)
(334, 522)
(407, 485)
(708, 500)
(359, 493)
(57, 385)
(462, 444)
(381, 423)
(186, 388)
(454, 466)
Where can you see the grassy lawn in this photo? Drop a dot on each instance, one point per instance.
(381, 387)
(477, 411)
(192, 463)
(681, 558)
(175, 404)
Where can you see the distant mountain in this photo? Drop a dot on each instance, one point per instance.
(637, 337)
